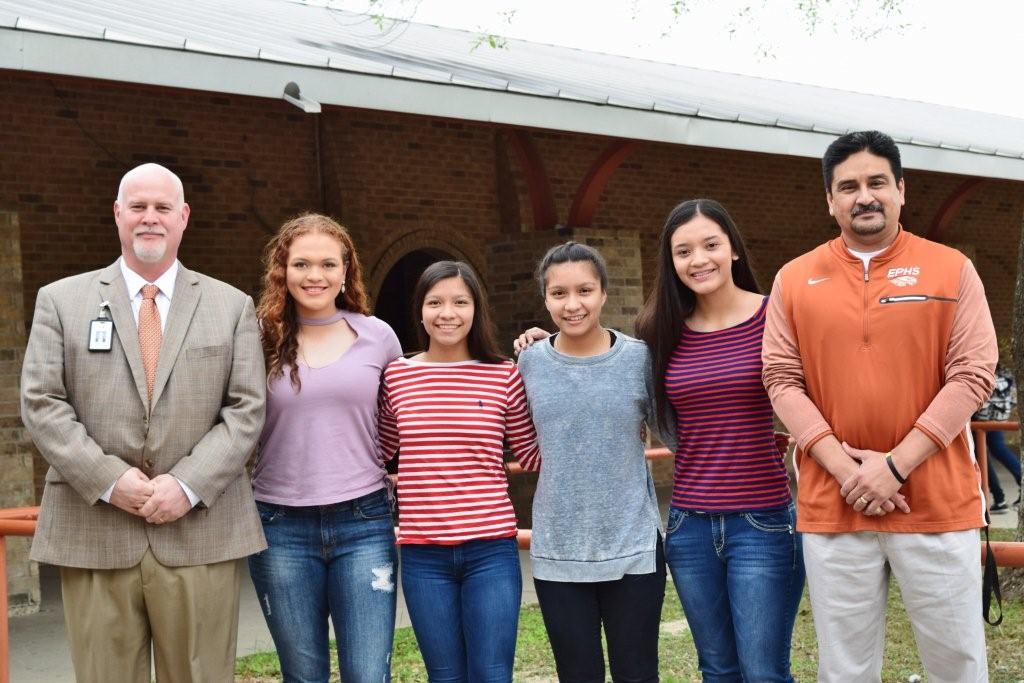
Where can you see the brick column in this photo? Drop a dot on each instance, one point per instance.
(515, 296)
(16, 449)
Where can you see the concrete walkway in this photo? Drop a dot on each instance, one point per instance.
(39, 648)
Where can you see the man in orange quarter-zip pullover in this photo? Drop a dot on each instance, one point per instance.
(878, 347)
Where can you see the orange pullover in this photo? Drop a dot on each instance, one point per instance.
(867, 358)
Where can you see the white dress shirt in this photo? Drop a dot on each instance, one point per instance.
(165, 283)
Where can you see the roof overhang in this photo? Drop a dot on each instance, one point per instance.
(263, 77)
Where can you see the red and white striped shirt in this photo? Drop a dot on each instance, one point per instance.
(450, 420)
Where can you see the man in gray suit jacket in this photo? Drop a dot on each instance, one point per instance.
(144, 387)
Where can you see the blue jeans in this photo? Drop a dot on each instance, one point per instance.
(740, 577)
(998, 451)
(329, 560)
(463, 601)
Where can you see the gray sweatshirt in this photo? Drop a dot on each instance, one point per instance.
(595, 514)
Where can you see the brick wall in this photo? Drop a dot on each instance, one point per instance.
(777, 201)
(514, 295)
(245, 162)
(405, 182)
(990, 221)
(249, 163)
(15, 447)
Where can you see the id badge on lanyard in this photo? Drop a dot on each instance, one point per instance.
(101, 330)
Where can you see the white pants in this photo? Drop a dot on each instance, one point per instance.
(939, 576)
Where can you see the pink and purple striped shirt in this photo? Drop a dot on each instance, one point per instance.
(727, 460)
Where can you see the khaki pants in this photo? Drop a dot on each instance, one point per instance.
(939, 576)
(190, 614)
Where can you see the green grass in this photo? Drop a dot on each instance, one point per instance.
(678, 659)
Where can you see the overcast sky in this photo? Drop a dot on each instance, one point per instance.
(966, 54)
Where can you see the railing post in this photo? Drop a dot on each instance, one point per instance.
(13, 522)
(5, 659)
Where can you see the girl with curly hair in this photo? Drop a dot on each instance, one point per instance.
(319, 483)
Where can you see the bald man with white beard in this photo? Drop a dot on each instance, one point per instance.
(143, 387)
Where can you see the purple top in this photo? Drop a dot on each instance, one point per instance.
(727, 460)
(319, 446)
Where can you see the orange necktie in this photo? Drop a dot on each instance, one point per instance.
(150, 335)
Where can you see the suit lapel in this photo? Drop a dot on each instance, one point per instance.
(183, 307)
(114, 290)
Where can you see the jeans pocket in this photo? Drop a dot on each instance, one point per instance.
(781, 520)
(675, 520)
(268, 513)
(374, 506)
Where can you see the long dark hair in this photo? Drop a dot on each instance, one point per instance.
(481, 339)
(670, 302)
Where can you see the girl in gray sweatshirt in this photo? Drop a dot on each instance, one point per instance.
(596, 550)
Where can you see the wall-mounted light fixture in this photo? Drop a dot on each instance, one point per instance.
(292, 94)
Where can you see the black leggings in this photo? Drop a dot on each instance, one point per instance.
(629, 608)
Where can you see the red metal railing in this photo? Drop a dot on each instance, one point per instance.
(22, 522)
(1007, 554)
(13, 522)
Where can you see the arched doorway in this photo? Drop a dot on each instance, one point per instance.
(394, 302)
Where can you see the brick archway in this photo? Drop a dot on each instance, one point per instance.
(949, 210)
(445, 241)
(584, 205)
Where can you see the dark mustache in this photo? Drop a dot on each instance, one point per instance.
(865, 208)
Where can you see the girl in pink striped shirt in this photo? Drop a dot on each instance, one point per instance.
(731, 541)
(450, 408)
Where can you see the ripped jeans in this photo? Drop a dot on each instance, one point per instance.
(329, 560)
(463, 602)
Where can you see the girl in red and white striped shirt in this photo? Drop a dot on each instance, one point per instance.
(450, 409)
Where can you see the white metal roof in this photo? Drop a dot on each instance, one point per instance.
(256, 47)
